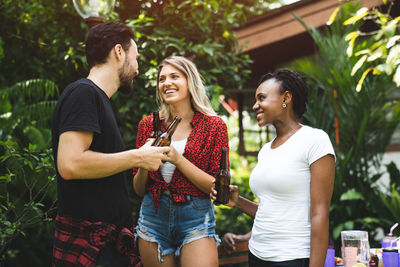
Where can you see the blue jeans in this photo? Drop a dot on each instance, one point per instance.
(256, 262)
(175, 224)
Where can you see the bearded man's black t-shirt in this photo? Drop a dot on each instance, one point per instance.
(83, 106)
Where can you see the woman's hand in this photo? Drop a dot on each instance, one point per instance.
(233, 195)
(229, 240)
(173, 156)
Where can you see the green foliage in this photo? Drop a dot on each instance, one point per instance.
(391, 198)
(377, 51)
(360, 124)
(26, 111)
(41, 39)
(27, 185)
(27, 192)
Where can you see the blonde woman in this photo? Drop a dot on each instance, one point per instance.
(177, 222)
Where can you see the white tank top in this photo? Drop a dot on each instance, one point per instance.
(167, 170)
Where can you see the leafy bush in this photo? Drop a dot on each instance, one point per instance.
(27, 193)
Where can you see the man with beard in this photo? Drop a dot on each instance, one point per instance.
(94, 223)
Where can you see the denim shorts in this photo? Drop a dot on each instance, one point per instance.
(175, 224)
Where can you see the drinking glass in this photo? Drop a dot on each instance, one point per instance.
(355, 247)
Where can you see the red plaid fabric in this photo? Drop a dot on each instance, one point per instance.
(203, 149)
(78, 242)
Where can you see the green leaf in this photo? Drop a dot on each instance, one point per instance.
(396, 76)
(352, 35)
(351, 195)
(362, 52)
(359, 15)
(358, 65)
(392, 41)
(349, 225)
(333, 16)
(378, 53)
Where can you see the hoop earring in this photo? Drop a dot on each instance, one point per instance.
(284, 105)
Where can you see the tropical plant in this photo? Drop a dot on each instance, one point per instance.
(390, 198)
(27, 188)
(27, 194)
(381, 53)
(360, 124)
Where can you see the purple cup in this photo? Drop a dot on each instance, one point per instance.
(390, 258)
(330, 258)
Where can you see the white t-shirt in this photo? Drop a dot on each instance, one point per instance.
(281, 182)
(167, 169)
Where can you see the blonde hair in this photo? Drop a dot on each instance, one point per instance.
(199, 99)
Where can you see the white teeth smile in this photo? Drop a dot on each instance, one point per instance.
(169, 91)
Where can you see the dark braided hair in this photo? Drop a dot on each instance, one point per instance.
(103, 37)
(293, 82)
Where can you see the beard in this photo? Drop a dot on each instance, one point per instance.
(126, 85)
(126, 75)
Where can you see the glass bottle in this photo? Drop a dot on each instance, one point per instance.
(156, 125)
(223, 179)
(164, 139)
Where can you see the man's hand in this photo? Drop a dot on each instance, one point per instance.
(152, 157)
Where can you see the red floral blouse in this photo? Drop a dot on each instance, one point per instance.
(203, 149)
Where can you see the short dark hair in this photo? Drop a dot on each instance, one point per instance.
(293, 82)
(103, 37)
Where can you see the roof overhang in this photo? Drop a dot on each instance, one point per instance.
(280, 24)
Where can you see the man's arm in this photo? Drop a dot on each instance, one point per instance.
(76, 161)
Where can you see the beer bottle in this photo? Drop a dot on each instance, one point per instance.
(165, 138)
(223, 179)
(156, 125)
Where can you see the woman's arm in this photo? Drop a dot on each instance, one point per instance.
(140, 181)
(322, 180)
(235, 200)
(229, 241)
(245, 205)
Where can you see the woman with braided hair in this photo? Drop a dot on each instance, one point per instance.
(293, 179)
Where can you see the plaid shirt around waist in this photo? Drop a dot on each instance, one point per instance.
(78, 242)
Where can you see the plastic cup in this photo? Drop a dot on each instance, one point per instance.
(330, 258)
(390, 258)
(355, 247)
